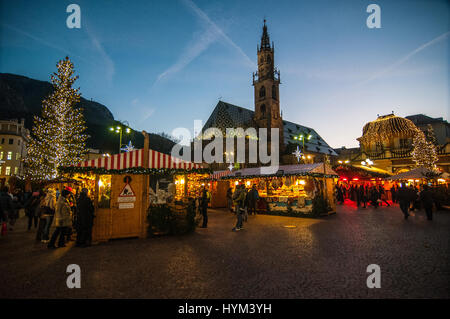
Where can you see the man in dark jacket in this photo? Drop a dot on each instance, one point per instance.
(403, 198)
(31, 209)
(85, 219)
(252, 197)
(426, 197)
(5, 205)
(204, 200)
(362, 195)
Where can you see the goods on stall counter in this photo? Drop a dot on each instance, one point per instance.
(261, 184)
(288, 181)
(276, 183)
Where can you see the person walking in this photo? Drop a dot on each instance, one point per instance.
(253, 196)
(413, 197)
(230, 199)
(72, 204)
(31, 207)
(42, 215)
(393, 191)
(14, 212)
(50, 206)
(238, 200)
(340, 194)
(62, 220)
(403, 198)
(85, 219)
(363, 195)
(204, 200)
(426, 197)
(374, 196)
(382, 193)
(6, 206)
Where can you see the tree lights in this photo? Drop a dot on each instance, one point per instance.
(58, 136)
(424, 152)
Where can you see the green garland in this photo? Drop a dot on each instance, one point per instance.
(131, 170)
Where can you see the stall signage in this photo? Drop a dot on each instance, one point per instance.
(127, 195)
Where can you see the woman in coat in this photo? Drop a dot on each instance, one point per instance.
(63, 220)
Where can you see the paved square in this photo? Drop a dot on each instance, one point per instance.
(318, 258)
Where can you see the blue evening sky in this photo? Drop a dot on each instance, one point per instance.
(163, 64)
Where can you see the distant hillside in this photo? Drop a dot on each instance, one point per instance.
(21, 97)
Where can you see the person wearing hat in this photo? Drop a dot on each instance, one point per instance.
(62, 220)
(85, 219)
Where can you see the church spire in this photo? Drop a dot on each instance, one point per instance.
(265, 41)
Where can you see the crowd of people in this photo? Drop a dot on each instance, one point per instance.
(409, 198)
(363, 195)
(70, 212)
(241, 202)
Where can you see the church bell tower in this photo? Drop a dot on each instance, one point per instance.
(266, 82)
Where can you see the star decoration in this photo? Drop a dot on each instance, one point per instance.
(231, 167)
(128, 148)
(298, 154)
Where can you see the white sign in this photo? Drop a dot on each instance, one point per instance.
(126, 199)
(127, 196)
(126, 205)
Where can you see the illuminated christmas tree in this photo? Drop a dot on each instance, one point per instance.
(58, 136)
(424, 152)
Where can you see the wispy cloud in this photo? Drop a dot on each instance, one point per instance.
(144, 112)
(405, 58)
(110, 69)
(211, 34)
(44, 42)
(192, 51)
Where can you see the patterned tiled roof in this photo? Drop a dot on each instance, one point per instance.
(226, 115)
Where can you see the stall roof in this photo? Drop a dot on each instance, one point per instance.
(297, 169)
(219, 174)
(156, 160)
(416, 173)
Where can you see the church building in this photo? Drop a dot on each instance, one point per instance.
(266, 114)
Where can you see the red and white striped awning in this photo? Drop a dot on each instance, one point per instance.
(135, 159)
(219, 174)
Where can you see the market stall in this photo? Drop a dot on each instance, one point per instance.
(290, 188)
(351, 176)
(122, 186)
(218, 188)
(421, 175)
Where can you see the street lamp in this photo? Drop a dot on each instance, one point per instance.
(119, 130)
(302, 137)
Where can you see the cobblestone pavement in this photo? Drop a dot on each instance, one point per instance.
(318, 258)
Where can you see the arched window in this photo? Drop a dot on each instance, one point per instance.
(262, 92)
(269, 60)
(263, 110)
(274, 92)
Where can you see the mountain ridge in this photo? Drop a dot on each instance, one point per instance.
(21, 97)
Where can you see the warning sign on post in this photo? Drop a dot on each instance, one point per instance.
(127, 195)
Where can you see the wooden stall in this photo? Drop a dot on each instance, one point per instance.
(290, 187)
(120, 187)
(218, 188)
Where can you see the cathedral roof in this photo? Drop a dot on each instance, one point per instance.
(226, 115)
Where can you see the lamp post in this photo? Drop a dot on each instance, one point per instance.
(302, 137)
(119, 130)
